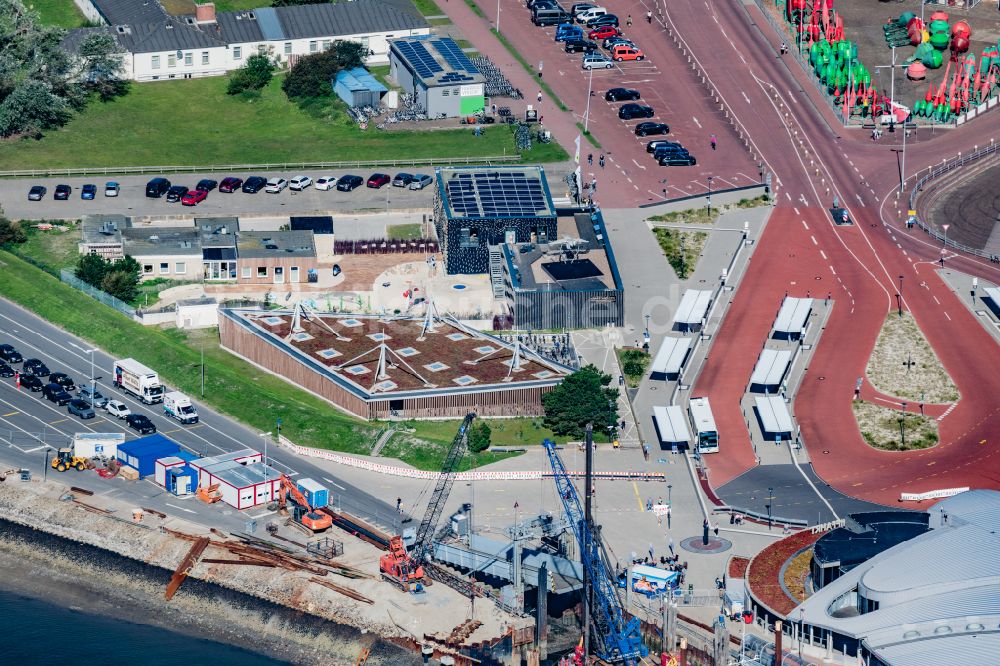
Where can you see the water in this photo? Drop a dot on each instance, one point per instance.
(39, 633)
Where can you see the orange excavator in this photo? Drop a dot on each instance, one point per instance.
(399, 568)
(302, 513)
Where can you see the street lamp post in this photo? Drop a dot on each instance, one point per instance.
(770, 499)
(899, 296)
(670, 488)
(709, 198)
(802, 627)
(902, 427)
(590, 91)
(266, 436)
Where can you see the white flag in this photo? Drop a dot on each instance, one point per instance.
(576, 158)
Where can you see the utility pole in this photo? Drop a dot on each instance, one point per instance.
(588, 524)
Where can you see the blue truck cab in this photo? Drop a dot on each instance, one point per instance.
(567, 31)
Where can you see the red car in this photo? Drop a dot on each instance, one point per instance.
(193, 197)
(230, 184)
(604, 32)
(378, 180)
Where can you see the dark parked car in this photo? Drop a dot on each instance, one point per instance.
(603, 20)
(632, 110)
(659, 143)
(6, 370)
(622, 94)
(62, 192)
(9, 354)
(348, 183)
(36, 193)
(645, 129)
(230, 184)
(56, 394)
(139, 422)
(63, 380)
(254, 184)
(402, 180)
(668, 148)
(176, 193)
(35, 367)
(579, 46)
(88, 191)
(205, 185)
(678, 159)
(157, 187)
(81, 408)
(32, 383)
(377, 180)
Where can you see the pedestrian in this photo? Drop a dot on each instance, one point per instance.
(670, 545)
(651, 551)
(649, 17)
(590, 159)
(399, 505)
(539, 96)
(716, 529)
(601, 161)
(628, 21)
(712, 139)
(540, 64)
(494, 107)
(541, 119)
(784, 48)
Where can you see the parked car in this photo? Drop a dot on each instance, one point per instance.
(597, 61)
(612, 42)
(647, 128)
(88, 192)
(565, 31)
(56, 394)
(326, 183)
(652, 146)
(402, 180)
(602, 20)
(300, 183)
(62, 192)
(206, 185)
(230, 184)
(96, 398)
(176, 193)
(64, 380)
(420, 181)
(157, 187)
(627, 51)
(32, 383)
(141, 423)
(579, 7)
(9, 354)
(6, 370)
(35, 367)
(81, 408)
(194, 197)
(668, 149)
(254, 184)
(633, 110)
(275, 185)
(117, 408)
(36, 193)
(349, 182)
(377, 180)
(589, 14)
(678, 159)
(622, 94)
(579, 46)
(603, 32)
(111, 189)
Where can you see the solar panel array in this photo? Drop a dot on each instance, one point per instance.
(496, 194)
(427, 66)
(416, 54)
(453, 55)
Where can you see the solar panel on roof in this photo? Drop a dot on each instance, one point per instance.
(496, 194)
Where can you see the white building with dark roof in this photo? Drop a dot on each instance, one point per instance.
(158, 46)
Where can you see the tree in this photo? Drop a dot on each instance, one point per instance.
(31, 108)
(11, 233)
(92, 268)
(479, 436)
(583, 397)
(252, 76)
(101, 66)
(121, 285)
(313, 75)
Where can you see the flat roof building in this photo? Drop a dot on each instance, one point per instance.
(792, 318)
(770, 370)
(671, 358)
(671, 425)
(774, 418)
(438, 74)
(693, 310)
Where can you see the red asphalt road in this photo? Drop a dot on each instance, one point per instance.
(666, 82)
(803, 251)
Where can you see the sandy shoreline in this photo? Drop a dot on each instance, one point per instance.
(95, 581)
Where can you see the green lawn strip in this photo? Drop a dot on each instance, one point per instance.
(423, 454)
(681, 248)
(699, 215)
(475, 9)
(403, 231)
(381, 72)
(439, 21)
(58, 13)
(232, 386)
(198, 124)
(524, 63)
(881, 428)
(50, 250)
(239, 5)
(589, 137)
(427, 7)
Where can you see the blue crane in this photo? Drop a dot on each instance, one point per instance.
(618, 640)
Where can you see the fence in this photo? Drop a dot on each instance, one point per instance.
(383, 246)
(938, 171)
(67, 276)
(277, 166)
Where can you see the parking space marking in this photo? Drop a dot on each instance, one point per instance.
(11, 414)
(59, 421)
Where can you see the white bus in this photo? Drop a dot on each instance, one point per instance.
(703, 424)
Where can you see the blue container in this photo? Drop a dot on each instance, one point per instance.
(316, 494)
(141, 454)
(182, 480)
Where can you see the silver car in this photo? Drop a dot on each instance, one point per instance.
(420, 181)
(117, 408)
(95, 398)
(597, 61)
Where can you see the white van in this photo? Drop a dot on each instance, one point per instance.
(591, 13)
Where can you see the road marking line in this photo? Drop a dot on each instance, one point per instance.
(745, 96)
(822, 254)
(804, 223)
(814, 240)
(796, 210)
(936, 300)
(179, 507)
(59, 421)
(11, 414)
(37, 448)
(831, 269)
(638, 498)
(695, 119)
(946, 315)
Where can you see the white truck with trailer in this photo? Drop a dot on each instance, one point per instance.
(135, 378)
(178, 406)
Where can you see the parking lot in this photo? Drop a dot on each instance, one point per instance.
(132, 198)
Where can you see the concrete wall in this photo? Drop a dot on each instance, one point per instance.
(197, 316)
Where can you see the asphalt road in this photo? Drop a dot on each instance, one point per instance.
(132, 200)
(29, 423)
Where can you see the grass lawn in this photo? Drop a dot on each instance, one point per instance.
(403, 231)
(634, 363)
(59, 13)
(904, 365)
(880, 427)
(53, 249)
(682, 248)
(427, 7)
(157, 124)
(239, 5)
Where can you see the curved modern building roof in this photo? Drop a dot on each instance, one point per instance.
(927, 599)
